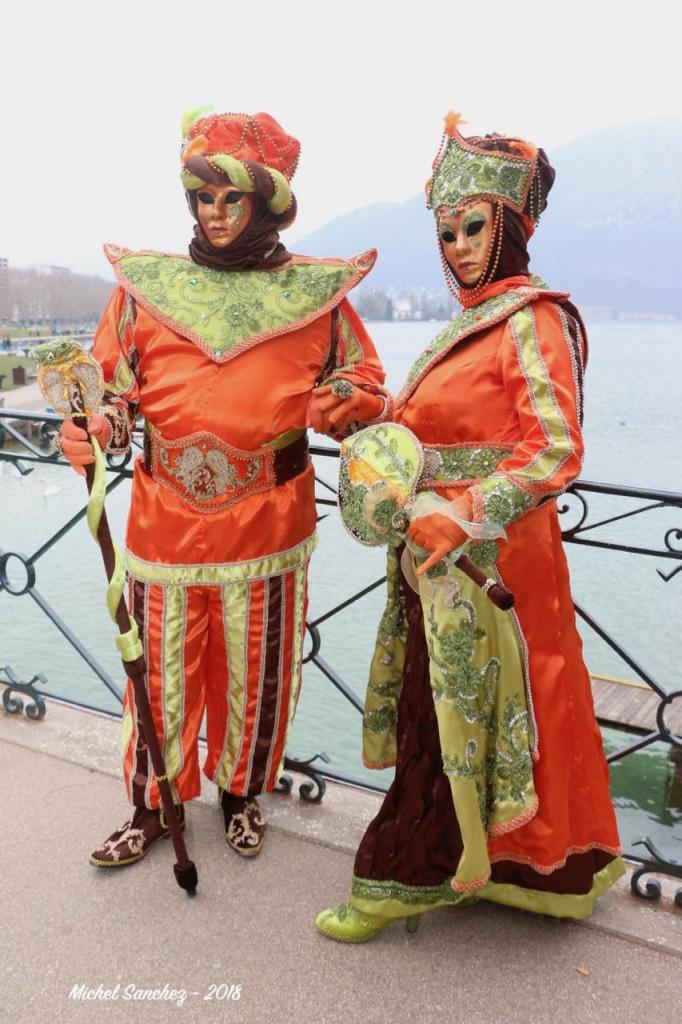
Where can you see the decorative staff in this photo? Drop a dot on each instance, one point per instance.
(72, 383)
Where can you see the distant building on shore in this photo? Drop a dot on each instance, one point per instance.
(4, 289)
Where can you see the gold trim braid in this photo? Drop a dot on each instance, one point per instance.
(223, 573)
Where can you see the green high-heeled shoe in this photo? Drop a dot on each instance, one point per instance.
(346, 924)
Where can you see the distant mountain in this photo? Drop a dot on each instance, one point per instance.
(611, 235)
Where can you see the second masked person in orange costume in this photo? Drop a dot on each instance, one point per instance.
(501, 789)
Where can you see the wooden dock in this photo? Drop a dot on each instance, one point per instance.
(630, 705)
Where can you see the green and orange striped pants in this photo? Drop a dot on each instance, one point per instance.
(230, 650)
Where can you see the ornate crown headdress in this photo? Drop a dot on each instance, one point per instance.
(464, 170)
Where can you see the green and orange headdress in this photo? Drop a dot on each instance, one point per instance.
(251, 150)
(496, 168)
(512, 174)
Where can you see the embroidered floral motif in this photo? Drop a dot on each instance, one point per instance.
(437, 570)
(470, 688)
(483, 553)
(463, 172)
(242, 317)
(245, 829)
(513, 765)
(461, 462)
(503, 773)
(206, 472)
(121, 418)
(381, 719)
(503, 501)
(129, 842)
(227, 311)
(205, 475)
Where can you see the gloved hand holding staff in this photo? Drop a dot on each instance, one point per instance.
(72, 383)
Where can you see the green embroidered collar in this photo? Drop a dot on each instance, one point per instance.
(472, 321)
(226, 313)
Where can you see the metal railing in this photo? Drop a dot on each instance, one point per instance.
(581, 524)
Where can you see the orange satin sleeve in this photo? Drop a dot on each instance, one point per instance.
(355, 359)
(538, 367)
(356, 356)
(113, 345)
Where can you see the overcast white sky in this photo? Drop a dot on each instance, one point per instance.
(93, 93)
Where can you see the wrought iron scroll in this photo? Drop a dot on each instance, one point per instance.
(581, 525)
(656, 863)
(14, 705)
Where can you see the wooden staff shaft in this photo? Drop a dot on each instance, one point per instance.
(497, 592)
(185, 871)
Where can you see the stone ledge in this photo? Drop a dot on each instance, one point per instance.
(90, 740)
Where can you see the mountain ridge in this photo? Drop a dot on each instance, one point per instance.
(611, 235)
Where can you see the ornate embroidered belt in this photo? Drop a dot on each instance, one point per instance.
(210, 475)
(459, 463)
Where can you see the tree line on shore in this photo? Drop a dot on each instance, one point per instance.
(54, 295)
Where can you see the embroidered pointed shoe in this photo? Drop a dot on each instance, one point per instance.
(346, 924)
(244, 824)
(130, 843)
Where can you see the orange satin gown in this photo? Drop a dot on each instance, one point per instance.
(483, 394)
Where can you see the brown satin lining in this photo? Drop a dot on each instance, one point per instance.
(292, 460)
(415, 838)
(269, 688)
(141, 775)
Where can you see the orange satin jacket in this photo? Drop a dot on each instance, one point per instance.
(247, 401)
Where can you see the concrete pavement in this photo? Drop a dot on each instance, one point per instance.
(67, 924)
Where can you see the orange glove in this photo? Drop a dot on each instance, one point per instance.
(438, 534)
(76, 445)
(329, 413)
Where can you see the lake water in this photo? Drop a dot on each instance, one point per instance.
(633, 427)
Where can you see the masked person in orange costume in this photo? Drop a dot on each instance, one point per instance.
(220, 353)
(501, 788)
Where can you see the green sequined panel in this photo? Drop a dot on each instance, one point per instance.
(411, 895)
(228, 309)
(466, 463)
(386, 674)
(503, 501)
(462, 173)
